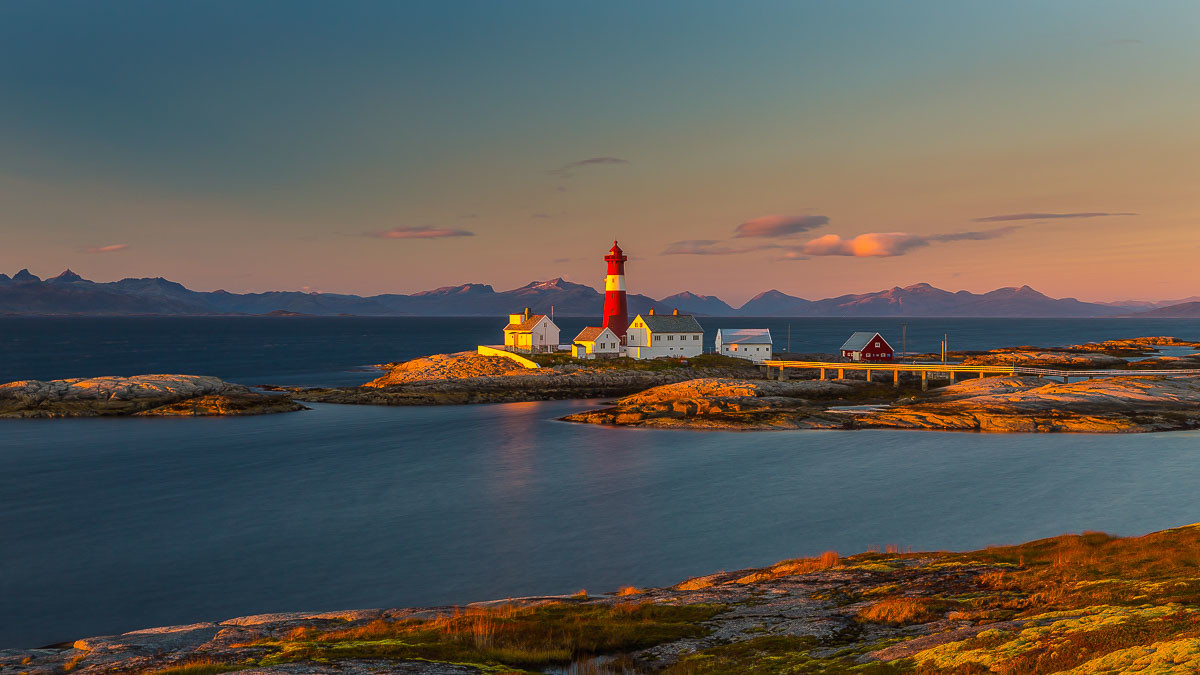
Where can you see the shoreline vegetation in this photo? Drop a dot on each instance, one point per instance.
(1079, 603)
(723, 393)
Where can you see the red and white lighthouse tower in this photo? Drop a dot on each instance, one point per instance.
(616, 313)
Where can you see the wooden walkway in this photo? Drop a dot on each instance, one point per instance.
(778, 370)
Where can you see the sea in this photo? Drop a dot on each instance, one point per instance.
(110, 525)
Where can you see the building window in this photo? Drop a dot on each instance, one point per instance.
(695, 337)
(876, 344)
(657, 338)
(670, 337)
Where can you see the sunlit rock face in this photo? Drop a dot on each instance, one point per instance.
(138, 394)
(458, 366)
(718, 403)
(1029, 404)
(1040, 359)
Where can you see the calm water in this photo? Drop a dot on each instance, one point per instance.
(115, 524)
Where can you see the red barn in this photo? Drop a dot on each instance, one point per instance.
(864, 346)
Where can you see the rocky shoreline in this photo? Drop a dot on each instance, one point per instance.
(467, 378)
(993, 404)
(138, 395)
(1085, 603)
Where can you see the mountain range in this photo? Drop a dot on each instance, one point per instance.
(71, 294)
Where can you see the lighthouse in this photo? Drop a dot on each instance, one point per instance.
(616, 314)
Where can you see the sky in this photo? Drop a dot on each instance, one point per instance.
(817, 148)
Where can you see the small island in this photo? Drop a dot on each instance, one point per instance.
(137, 395)
(1079, 603)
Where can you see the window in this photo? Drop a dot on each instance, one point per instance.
(695, 337)
(670, 337)
(876, 344)
(657, 338)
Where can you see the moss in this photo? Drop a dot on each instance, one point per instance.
(504, 636)
(772, 654)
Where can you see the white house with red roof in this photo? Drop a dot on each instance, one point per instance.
(530, 333)
(596, 341)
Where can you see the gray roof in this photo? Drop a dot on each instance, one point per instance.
(860, 340)
(745, 336)
(671, 323)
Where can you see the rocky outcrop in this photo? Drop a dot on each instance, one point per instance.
(159, 395)
(1029, 404)
(1135, 346)
(1045, 359)
(440, 367)
(466, 377)
(716, 403)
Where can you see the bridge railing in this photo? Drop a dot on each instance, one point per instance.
(962, 368)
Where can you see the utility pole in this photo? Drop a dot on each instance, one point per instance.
(904, 338)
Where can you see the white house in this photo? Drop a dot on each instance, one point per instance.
(530, 333)
(596, 341)
(654, 336)
(754, 344)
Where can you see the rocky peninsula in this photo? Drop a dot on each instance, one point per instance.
(467, 377)
(993, 404)
(1088, 603)
(140, 395)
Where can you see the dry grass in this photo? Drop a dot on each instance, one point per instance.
(1072, 571)
(74, 662)
(196, 666)
(503, 635)
(904, 611)
(787, 568)
(625, 591)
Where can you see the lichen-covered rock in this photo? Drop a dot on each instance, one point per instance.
(1045, 359)
(457, 366)
(1030, 404)
(723, 403)
(134, 395)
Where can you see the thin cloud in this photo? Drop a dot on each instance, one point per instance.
(711, 247)
(776, 225)
(567, 170)
(1048, 216)
(421, 233)
(108, 249)
(890, 244)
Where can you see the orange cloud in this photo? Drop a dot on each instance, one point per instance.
(421, 233)
(108, 249)
(889, 244)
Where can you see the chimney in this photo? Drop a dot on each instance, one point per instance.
(651, 311)
(526, 313)
(676, 312)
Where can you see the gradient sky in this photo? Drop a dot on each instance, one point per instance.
(816, 148)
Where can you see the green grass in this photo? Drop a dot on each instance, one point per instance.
(653, 365)
(505, 636)
(771, 654)
(204, 667)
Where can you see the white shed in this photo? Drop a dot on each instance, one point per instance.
(595, 341)
(753, 344)
(530, 333)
